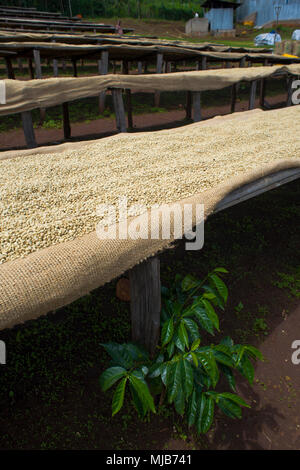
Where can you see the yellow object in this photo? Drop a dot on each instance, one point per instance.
(248, 23)
(290, 55)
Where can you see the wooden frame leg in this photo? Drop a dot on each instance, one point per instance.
(66, 121)
(197, 106)
(145, 303)
(252, 94)
(103, 70)
(119, 109)
(28, 129)
(289, 90)
(188, 108)
(159, 69)
(233, 97)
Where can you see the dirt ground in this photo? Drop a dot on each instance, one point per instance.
(94, 129)
(50, 396)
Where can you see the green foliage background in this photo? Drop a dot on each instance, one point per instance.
(164, 9)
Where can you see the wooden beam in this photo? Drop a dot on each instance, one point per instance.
(66, 121)
(119, 109)
(145, 303)
(197, 106)
(252, 98)
(28, 129)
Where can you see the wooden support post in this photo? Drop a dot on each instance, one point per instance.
(290, 90)
(28, 129)
(146, 67)
(30, 66)
(37, 63)
(252, 94)
(197, 106)
(38, 75)
(262, 90)
(204, 63)
(243, 62)
(9, 67)
(119, 109)
(198, 66)
(145, 303)
(159, 66)
(55, 65)
(169, 67)
(64, 66)
(74, 62)
(103, 71)
(66, 121)
(20, 65)
(228, 64)
(140, 67)
(233, 97)
(129, 109)
(188, 108)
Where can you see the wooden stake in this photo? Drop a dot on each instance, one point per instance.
(66, 121)
(204, 63)
(119, 109)
(145, 303)
(28, 129)
(140, 67)
(197, 106)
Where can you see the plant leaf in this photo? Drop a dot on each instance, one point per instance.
(203, 319)
(179, 402)
(208, 415)
(221, 287)
(182, 334)
(143, 392)
(229, 408)
(167, 331)
(192, 409)
(189, 282)
(192, 328)
(236, 398)
(110, 376)
(211, 313)
(118, 397)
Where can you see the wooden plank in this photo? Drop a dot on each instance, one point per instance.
(103, 71)
(258, 187)
(145, 303)
(197, 106)
(119, 109)
(159, 69)
(28, 129)
(66, 121)
(252, 98)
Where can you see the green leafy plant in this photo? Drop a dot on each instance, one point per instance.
(183, 372)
